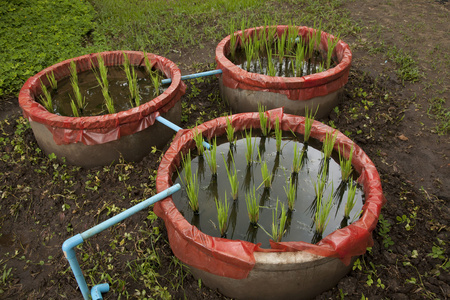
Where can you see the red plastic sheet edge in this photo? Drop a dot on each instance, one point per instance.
(234, 258)
(105, 128)
(295, 88)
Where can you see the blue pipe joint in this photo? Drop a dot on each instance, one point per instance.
(71, 243)
(97, 290)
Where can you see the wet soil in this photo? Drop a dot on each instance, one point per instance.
(44, 202)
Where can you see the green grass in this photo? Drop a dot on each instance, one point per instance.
(438, 111)
(37, 34)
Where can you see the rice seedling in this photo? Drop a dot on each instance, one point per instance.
(309, 120)
(331, 45)
(52, 81)
(249, 52)
(252, 206)
(263, 120)
(321, 217)
(278, 225)
(299, 61)
(73, 70)
(154, 75)
(328, 144)
(187, 166)
(297, 161)
(270, 66)
(281, 45)
(230, 130)
(232, 177)
(351, 201)
(266, 175)
(291, 39)
(80, 101)
(290, 191)
(278, 134)
(46, 99)
(233, 39)
(320, 184)
(198, 139)
(222, 214)
(346, 164)
(132, 81)
(211, 157)
(250, 146)
(102, 78)
(192, 189)
(74, 108)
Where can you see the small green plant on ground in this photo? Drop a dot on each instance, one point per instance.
(437, 110)
(252, 206)
(384, 229)
(222, 214)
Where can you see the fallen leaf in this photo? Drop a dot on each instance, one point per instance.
(402, 137)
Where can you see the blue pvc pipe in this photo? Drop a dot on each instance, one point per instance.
(97, 290)
(177, 128)
(196, 75)
(69, 245)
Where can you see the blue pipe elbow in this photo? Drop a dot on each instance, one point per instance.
(97, 290)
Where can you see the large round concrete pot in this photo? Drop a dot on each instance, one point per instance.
(101, 140)
(245, 90)
(289, 270)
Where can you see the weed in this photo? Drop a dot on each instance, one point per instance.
(384, 229)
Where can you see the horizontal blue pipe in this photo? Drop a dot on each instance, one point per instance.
(69, 245)
(196, 75)
(177, 128)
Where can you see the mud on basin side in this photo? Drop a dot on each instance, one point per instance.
(100, 140)
(242, 270)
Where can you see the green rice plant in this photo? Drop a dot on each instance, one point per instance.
(102, 78)
(281, 44)
(73, 70)
(351, 201)
(198, 139)
(266, 175)
(211, 157)
(321, 217)
(80, 100)
(232, 177)
(309, 120)
(328, 144)
(290, 191)
(299, 61)
(52, 81)
(278, 134)
(74, 108)
(222, 214)
(297, 161)
(263, 120)
(233, 39)
(291, 39)
(320, 184)
(132, 81)
(230, 130)
(252, 206)
(154, 75)
(46, 99)
(331, 45)
(187, 166)
(278, 225)
(346, 164)
(250, 146)
(270, 66)
(192, 189)
(249, 52)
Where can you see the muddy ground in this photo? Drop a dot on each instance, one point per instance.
(44, 202)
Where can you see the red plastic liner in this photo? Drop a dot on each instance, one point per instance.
(234, 258)
(105, 128)
(295, 88)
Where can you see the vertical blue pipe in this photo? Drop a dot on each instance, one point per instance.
(69, 245)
